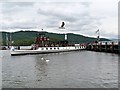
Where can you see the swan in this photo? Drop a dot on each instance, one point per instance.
(46, 60)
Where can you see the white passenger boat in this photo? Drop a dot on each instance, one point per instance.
(43, 50)
(42, 44)
(40, 48)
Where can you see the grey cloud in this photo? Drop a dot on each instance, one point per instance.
(25, 4)
(79, 20)
(75, 22)
(18, 27)
(111, 35)
(62, 16)
(14, 4)
(87, 4)
(12, 7)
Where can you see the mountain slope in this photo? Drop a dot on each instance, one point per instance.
(27, 37)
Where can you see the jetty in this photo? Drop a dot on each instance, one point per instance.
(104, 46)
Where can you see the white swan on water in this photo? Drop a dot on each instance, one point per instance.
(42, 58)
(46, 60)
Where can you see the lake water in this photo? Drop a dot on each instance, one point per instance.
(80, 69)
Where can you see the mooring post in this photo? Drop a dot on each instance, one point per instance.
(100, 48)
(119, 47)
(95, 46)
(105, 46)
(112, 47)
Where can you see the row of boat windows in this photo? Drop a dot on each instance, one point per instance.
(58, 48)
(79, 47)
(51, 48)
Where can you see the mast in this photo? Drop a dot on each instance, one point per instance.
(6, 39)
(98, 35)
(42, 38)
(11, 38)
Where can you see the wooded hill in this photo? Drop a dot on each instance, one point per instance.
(28, 37)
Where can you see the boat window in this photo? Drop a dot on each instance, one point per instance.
(54, 48)
(46, 48)
(51, 48)
(58, 48)
(42, 48)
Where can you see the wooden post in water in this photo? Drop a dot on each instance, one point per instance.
(119, 47)
(105, 46)
(100, 48)
(112, 47)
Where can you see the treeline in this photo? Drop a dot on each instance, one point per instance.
(27, 38)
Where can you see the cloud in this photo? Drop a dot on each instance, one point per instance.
(74, 20)
(82, 17)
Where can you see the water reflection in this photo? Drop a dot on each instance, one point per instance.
(41, 67)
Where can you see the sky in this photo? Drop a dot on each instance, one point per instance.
(83, 17)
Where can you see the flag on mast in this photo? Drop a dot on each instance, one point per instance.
(97, 31)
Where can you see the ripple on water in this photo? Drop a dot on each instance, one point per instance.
(70, 70)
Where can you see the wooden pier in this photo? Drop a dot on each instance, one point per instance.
(105, 46)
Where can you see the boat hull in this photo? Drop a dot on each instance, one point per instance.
(44, 50)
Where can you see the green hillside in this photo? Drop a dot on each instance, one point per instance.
(27, 37)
